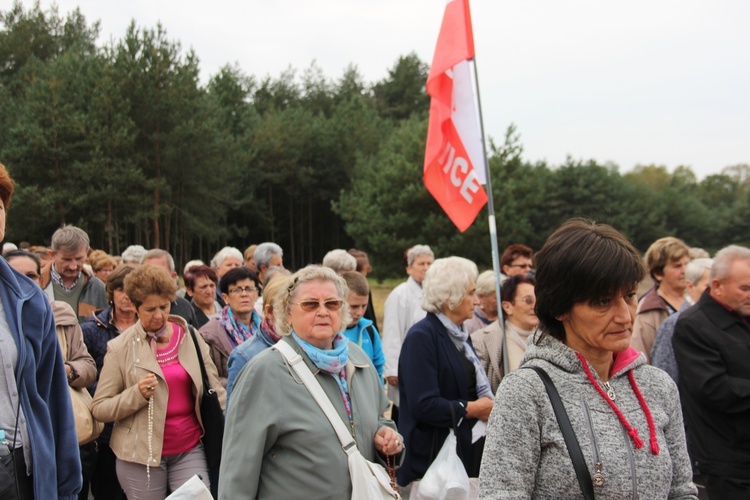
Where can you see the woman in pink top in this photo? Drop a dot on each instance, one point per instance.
(151, 386)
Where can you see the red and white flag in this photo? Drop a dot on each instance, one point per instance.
(454, 157)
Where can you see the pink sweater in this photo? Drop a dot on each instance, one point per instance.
(181, 428)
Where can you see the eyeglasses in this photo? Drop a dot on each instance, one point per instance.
(522, 266)
(246, 289)
(314, 305)
(527, 300)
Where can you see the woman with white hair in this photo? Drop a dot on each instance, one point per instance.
(441, 381)
(486, 311)
(402, 310)
(282, 445)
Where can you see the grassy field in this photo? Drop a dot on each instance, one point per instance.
(380, 292)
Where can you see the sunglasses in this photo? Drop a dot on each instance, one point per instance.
(314, 305)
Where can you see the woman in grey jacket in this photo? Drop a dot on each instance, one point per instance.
(625, 414)
(278, 443)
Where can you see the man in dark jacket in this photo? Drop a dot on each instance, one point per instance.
(712, 347)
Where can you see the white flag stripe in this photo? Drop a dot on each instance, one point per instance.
(466, 117)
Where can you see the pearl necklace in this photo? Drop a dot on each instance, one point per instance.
(150, 440)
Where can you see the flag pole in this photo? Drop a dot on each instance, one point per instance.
(493, 227)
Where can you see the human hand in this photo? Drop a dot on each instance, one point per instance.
(388, 442)
(147, 385)
(392, 381)
(480, 409)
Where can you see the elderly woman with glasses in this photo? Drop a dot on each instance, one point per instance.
(518, 299)
(283, 445)
(441, 381)
(237, 321)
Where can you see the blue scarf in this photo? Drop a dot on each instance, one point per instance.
(460, 337)
(331, 361)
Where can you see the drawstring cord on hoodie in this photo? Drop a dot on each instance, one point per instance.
(632, 432)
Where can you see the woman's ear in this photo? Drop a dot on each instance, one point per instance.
(563, 317)
(507, 308)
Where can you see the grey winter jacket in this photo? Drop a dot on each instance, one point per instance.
(525, 455)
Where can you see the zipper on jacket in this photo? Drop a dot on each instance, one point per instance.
(598, 477)
(628, 445)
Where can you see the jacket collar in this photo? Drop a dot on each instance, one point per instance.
(555, 352)
(718, 313)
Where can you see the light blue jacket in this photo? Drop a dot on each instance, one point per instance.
(371, 344)
(243, 353)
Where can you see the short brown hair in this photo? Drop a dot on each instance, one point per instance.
(201, 271)
(145, 281)
(116, 280)
(662, 252)
(582, 261)
(357, 283)
(513, 252)
(7, 186)
(99, 259)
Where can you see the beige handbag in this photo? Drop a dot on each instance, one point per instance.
(87, 427)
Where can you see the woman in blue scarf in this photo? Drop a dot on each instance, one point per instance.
(237, 322)
(283, 445)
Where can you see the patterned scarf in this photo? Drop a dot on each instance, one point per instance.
(332, 361)
(460, 337)
(270, 330)
(238, 332)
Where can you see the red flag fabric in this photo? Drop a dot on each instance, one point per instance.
(452, 164)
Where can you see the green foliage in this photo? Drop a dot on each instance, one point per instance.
(124, 141)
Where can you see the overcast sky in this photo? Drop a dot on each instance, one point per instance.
(638, 82)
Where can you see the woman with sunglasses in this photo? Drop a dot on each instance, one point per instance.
(237, 321)
(441, 381)
(518, 299)
(283, 445)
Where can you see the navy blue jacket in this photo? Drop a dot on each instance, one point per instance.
(43, 387)
(431, 380)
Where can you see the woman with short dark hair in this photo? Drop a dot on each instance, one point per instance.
(201, 282)
(237, 321)
(624, 413)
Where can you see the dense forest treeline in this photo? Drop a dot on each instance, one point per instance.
(126, 142)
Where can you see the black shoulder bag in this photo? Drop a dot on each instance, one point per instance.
(571, 442)
(211, 415)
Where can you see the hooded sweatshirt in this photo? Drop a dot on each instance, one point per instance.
(525, 455)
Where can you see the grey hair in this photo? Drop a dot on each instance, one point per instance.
(696, 268)
(283, 301)
(486, 283)
(340, 261)
(264, 252)
(134, 253)
(70, 238)
(158, 253)
(446, 283)
(191, 264)
(725, 258)
(416, 251)
(224, 254)
(698, 253)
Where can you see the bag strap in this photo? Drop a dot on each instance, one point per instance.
(204, 375)
(298, 364)
(571, 441)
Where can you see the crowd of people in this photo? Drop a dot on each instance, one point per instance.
(569, 386)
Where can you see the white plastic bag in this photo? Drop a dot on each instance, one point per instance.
(446, 478)
(192, 489)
